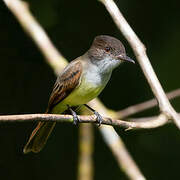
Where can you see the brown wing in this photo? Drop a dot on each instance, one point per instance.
(67, 81)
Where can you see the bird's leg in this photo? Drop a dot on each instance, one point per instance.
(75, 117)
(98, 116)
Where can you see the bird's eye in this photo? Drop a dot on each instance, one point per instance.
(107, 49)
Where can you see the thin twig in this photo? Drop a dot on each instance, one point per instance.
(145, 105)
(140, 52)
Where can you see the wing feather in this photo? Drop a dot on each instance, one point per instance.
(65, 83)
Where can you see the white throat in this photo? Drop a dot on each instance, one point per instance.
(97, 74)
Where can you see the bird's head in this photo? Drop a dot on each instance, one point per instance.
(109, 51)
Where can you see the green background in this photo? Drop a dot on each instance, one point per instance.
(26, 82)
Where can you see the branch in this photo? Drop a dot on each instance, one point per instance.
(145, 105)
(145, 123)
(139, 50)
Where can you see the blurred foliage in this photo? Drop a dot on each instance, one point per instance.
(26, 82)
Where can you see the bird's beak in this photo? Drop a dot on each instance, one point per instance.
(123, 57)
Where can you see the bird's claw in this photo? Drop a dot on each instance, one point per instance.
(75, 119)
(75, 116)
(99, 118)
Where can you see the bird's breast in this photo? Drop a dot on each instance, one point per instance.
(91, 85)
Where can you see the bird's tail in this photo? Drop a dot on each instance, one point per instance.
(39, 137)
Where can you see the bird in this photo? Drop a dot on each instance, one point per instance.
(82, 80)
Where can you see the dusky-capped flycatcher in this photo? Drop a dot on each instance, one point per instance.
(81, 81)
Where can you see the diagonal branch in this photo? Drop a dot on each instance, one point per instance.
(140, 52)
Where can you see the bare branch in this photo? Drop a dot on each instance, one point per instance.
(145, 105)
(139, 50)
(136, 123)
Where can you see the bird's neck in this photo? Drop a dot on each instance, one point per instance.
(94, 73)
(103, 66)
(99, 66)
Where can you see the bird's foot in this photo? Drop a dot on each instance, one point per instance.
(99, 118)
(75, 116)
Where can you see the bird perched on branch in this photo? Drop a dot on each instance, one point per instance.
(81, 81)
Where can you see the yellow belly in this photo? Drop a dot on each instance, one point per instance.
(84, 93)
